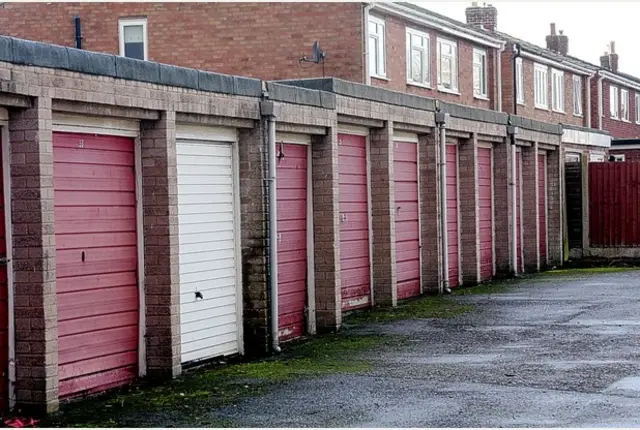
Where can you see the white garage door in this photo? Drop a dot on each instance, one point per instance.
(210, 285)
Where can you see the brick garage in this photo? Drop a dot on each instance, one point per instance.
(159, 98)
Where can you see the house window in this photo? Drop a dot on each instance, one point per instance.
(133, 38)
(577, 95)
(519, 81)
(541, 86)
(638, 108)
(479, 73)
(557, 90)
(377, 63)
(447, 65)
(613, 101)
(619, 157)
(624, 105)
(418, 58)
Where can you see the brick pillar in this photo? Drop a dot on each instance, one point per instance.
(469, 226)
(34, 263)
(530, 209)
(384, 232)
(554, 193)
(326, 221)
(430, 212)
(254, 241)
(160, 220)
(503, 182)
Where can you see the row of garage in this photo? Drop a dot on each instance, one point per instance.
(99, 239)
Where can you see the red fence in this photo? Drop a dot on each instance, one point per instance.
(614, 204)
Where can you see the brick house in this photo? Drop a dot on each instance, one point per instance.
(450, 60)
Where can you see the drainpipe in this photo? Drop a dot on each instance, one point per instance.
(588, 101)
(512, 131)
(600, 100)
(499, 76)
(441, 121)
(268, 110)
(78, 32)
(365, 35)
(517, 53)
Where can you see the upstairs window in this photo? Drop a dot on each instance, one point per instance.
(377, 63)
(557, 90)
(479, 73)
(519, 81)
(614, 102)
(624, 105)
(133, 38)
(541, 86)
(418, 58)
(638, 108)
(577, 95)
(447, 65)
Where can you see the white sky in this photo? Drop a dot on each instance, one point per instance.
(589, 25)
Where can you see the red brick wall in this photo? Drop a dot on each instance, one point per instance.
(629, 154)
(397, 67)
(528, 109)
(618, 128)
(248, 39)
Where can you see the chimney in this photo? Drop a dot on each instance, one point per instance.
(484, 17)
(613, 58)
(557, 43)
(605, 62)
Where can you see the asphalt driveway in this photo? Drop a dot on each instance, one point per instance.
(557, 350)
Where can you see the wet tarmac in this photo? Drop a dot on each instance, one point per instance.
(555, 351)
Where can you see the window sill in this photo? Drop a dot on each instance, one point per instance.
(381, 78)
(614, 117)
(545, 108)
(448, 91)
(521, 103)
(578, 115)
(625, 120)
(481, 97)
(416, 84)
(561, 112)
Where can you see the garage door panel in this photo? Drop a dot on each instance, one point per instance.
(206, 275)
(95, 213)
(453, 228)
(196, 335)
(98, 322)
(219, 344)
(97, 382)
(79, 347)
(92, 366)
(95, 282)
(519, 211)
(485, 214)
(202, 172)
(113, 265)
(84, 156)
(210, 255)
(212, 306)
(207, 183)
(98, 198)
(542, 207)
(93, 142)
(4, 309)
(353, 190)
(214, 154)
(206, 321)
(76, 241)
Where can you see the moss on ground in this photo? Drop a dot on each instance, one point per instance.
(188, 400)
(588, 270)
(424, 307)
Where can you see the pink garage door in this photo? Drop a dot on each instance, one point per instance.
(407, 219)
(4, 295)
(292, 241)
(96, 261)
(519, 209)
(452, 215)
(485, 213)
(542, 207)
(355, 275)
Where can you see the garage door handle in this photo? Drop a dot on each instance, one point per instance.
(83, 256)
(199, 295)
(4, 261)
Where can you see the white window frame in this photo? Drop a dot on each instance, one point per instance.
(614, 102)
(484, 90)
(577, 95)
(637, 108)
(426, 58)
(624, 102)
(454, 61)
(539, 69)
(519, 81)
(133, 22)
(619, 157)
(557, 90)
(381, 64)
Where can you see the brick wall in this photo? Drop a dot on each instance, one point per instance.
(618, 128)
(470, 241)
(246, 39)
(397, 67)
(530, 209)
(528, 109)
(503, 206)
(430, 210)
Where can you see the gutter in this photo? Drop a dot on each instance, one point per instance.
(558, 64)
(619, 79)
(423, 18)
(499, 76)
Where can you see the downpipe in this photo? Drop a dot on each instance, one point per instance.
(441, 120)
(511, 130)
(267, 109)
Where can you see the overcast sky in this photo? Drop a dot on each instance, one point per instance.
(590, 26)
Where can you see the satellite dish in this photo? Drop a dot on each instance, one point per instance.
(318, 54)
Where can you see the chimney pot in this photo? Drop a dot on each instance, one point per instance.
(612, 47)
(553, 29)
